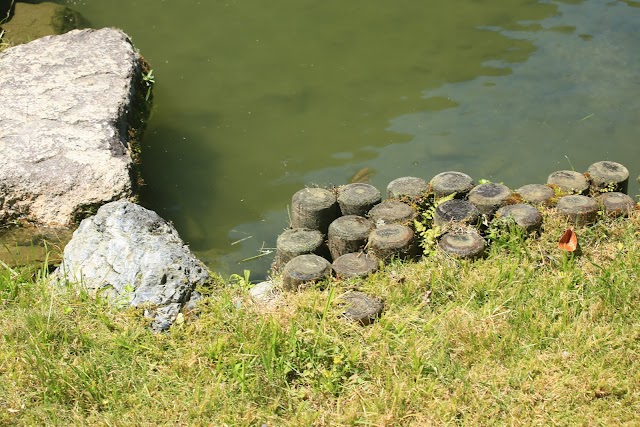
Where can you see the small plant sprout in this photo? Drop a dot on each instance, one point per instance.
(570, 164)
(149, 80)
(425, 228)
(243, 282)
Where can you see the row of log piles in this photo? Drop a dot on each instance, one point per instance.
(604, 185)
(362, 230)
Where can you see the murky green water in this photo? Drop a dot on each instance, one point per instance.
(256, 99)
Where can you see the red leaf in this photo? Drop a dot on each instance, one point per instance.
(569, 241)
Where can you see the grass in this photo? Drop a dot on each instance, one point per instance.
(527, 336)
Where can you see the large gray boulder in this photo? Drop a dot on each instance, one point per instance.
(130, 255)
(69, 105)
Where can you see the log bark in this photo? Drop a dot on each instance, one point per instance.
(298, 241)
(354, 265)
(348, 234)
(579, 210)
(465, 243)
(361, 307)
(536, 193)
(392, 241)
(609, 176)
(525, 216)
(313, 208)
(569, 181)
(616, 204)
(303, 269)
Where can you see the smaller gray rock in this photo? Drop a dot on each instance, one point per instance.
(263, 291)
(130, 255)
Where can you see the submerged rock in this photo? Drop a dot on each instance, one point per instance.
(31, 21)
(132, 256)
(71, 104)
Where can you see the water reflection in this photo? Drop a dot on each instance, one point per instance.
(568, 106)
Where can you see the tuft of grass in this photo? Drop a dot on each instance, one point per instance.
(528, 336)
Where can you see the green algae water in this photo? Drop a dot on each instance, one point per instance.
(255, 100)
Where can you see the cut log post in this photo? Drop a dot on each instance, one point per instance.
(447, 183)
(525, 216)
(408, 187)
(361, 307)
(536, 193)
(348, 234)
(358, 198)
(569, 181)
(608, 176)
(488, 198)
(392, 212)
(354, 265)
(298, 241)
(465, 243)
(304, 269)
(616, 204)
(579, 210)
(392, 241)
(456, 212)
(313, 208)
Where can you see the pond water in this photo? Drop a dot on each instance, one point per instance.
(256, 99)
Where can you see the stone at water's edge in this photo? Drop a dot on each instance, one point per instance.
(129, 254)
(68, 106)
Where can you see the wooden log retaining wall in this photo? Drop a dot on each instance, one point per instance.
(385, 229)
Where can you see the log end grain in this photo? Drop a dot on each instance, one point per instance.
(489, 197)
(355, 265)
(313, 208)
(358, 198)
(569, 181)
(361, 307)
(392, 241)
(609, 176)
(348, 234)
(466, 243)
(447, 183)
(305, 269)
(408, 187)
(297, 241)
(525, 216)
(457, 212)
(616, 204)
(536, 193)
(392, 212)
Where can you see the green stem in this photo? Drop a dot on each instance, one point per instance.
(6, 18)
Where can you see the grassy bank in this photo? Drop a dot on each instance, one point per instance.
(528, 336)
